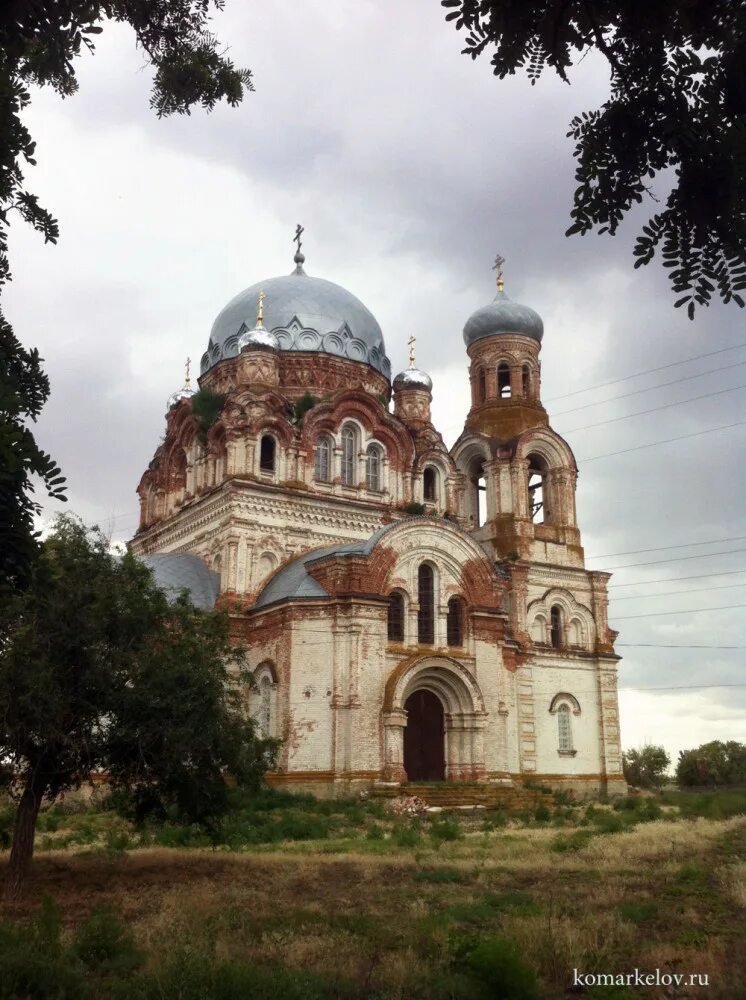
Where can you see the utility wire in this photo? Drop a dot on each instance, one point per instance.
(675, 579)
(673, 593)
(653, 444)
(647, 371)
(653, 409)
(660, 562)
(683, 687)
(663, 548)
(650, 388)
(663, 645)
(683, 611)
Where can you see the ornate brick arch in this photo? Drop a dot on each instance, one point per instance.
(542, 441)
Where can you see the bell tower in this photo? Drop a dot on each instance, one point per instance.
(518, 475)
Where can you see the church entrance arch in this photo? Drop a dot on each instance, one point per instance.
(424, 736)
(433, 720)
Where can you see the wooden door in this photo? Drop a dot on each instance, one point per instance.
(424, 752)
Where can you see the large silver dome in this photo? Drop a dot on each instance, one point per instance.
(304, 314)
(503, 315)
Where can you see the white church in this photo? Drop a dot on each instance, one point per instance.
(412, 613)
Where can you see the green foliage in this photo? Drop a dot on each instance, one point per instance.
(24, 389)
(415, 509)
(407, 836)
(645, 767)
(542, 814)
(573, 842)
(676, 114)
(446, 829)
(715, 763)
(710, 805)
(441, 876)
(103, 944)
(375, 832)
(498, 967)
(207, 406)
(140, 687)
(34, 963)
(304, 404)
(638, 911)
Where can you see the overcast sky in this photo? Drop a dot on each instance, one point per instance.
(410, 167)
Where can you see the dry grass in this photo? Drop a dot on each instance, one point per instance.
(662, 895)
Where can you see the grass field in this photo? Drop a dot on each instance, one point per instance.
(298, 898)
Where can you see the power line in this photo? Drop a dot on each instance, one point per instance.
(650, 388)
(660, 562)
(653, 409)
(673, 593)
(684, 611)
(663, 548)
(653, 444)
(647, 371)
(683, 687)
(675, 579)
(663, 645)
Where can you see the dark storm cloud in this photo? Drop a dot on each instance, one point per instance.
(410, 167)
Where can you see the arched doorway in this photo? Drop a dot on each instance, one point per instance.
(424, 741)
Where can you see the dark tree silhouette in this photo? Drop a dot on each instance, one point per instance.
(676, 113)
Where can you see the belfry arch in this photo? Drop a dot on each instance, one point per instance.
(443, 684)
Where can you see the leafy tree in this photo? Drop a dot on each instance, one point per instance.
(39, 42)
(646, 767)
(99, 672)
(714, 763)
(676, 112)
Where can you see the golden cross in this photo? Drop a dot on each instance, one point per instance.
(260, 309)
(186, 376)
(498, 266)
(411, 343)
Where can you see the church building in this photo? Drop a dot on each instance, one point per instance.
(412, 613)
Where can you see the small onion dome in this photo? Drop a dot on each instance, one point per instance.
(176, 397)
(503, 315)
(413, 378)
(260, 336)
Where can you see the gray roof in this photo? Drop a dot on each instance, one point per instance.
(294, 582)
(413, 378)
(177, 571)
(503, 315)
(305, 314)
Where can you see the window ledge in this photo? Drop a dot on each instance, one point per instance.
(567, 753)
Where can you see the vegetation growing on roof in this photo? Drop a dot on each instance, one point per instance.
(207, 406)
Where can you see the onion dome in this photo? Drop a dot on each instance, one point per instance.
(303, 313)
(502, 315)
(186, 390)
(412, 378)
(259, 336)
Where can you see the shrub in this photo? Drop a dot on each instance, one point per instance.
(104, 945)
(496, 965)
(33, 962)
(573, 842)
(375, 832)
(407, 836)
(206, 408)
(304, 404)
(446, 829)
(542, 814)
(638, 911)
(441, 876)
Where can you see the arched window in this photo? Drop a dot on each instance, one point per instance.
(265, 707)
(537, 499)
(478, 492)
(481, 386)
(555, 625)
(426, 599)
(373, 459)
(323, 460)
(267, 453)
(430, 484)
(503, 380)
(455, 622)
(564, 729)
(349, 456)
(526, 379)
(396, 617)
